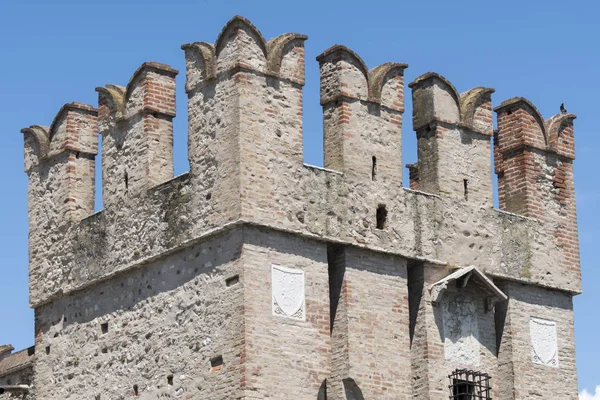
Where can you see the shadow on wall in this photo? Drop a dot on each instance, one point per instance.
(352, 390)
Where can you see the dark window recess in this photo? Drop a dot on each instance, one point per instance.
(216, 363)
(232, 281)
(47, 349)
(135, 390)
(374, 169)
(469, 385)
(170, 380)
(381, 216)
(466, 186)
(104, 327)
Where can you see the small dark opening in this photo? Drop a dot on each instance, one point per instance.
(381, 216)
(466, 187)
(463, 390)
(135, 389)
(170, 380)
(509, 112)
(104, 327)
(469, 385)
(104, 350)
(47, 349)
(216, 363)
(232, 281)
(126, 180)
(77, 155)
(374, 169)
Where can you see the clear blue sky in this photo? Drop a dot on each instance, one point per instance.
(54, 52)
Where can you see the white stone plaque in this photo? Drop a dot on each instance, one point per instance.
(288, 292)
(544, 343)
(461, 331)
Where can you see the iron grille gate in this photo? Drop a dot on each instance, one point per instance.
(469, 385)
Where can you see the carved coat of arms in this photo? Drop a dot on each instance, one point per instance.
(288, 292)
(544, 346)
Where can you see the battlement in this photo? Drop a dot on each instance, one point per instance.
(435, 99)
(240, 46)
(245, 152)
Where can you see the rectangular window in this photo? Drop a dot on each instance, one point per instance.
(469, 385)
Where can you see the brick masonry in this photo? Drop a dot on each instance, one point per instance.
(169, 291)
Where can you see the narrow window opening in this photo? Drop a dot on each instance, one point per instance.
(47, 349)
(374, 169)
(77, 155)
(170, 380)
(216, 363)
(509, 112)
(381, 216)
(104, 350)
(232, 281)
(104, 327)
(126, 180)
(466, 188)
(135, 390)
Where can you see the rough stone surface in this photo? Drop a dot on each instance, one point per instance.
(169, 291)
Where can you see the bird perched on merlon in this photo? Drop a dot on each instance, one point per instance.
(563, 110)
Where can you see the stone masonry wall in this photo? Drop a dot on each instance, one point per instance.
(519, 376)
(376, 296)
(155, 328)
(285, 357)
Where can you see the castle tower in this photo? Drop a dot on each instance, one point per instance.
(254, 275)
(534, 164)
(453, 133)
(245, 107)
(136, 123)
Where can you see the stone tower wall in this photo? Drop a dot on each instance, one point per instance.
(254, 275)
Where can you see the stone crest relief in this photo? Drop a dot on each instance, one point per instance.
(461, 331)
(544, 343)
(288, 292)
